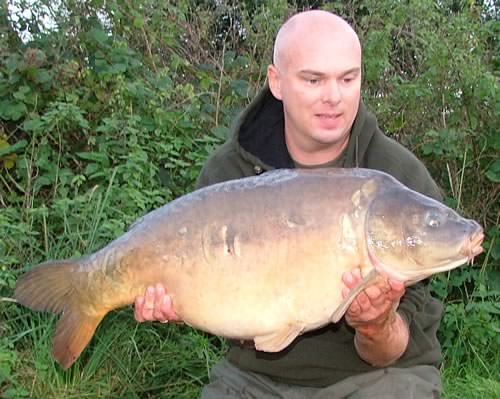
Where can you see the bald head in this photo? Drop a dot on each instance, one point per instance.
(311, 26)
(316, 74)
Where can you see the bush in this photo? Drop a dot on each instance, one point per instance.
(109, 111)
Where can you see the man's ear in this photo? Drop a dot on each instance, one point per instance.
(273, 77)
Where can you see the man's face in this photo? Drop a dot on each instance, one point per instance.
(319, 83)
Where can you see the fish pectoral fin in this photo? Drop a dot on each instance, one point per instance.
(73, 333)
(342, 307)
(278, 340)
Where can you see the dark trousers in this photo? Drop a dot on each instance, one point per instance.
(419, 382)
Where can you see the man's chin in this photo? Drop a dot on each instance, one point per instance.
(331, 137)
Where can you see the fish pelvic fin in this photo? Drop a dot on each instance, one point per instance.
(278, 340)
(50, 287)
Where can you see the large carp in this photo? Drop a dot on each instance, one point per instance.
(259, 258)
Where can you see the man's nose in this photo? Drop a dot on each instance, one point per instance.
(331, 92)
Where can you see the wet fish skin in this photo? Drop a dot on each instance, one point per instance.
(257, 258)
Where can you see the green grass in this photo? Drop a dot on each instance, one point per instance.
(124, 360)
(93, 142)
(471, 382)
(151, 360)
(471, 369)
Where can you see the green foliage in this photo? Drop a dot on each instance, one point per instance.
(109, 111)
(9, 362)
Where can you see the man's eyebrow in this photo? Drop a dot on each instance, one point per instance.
(312, 72)
(352, 70)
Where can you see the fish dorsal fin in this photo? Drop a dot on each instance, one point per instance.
(342, 308)
(278, 340)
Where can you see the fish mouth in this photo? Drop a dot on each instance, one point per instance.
(468, 251)
(472, 247)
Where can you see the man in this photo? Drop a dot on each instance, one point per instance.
(311, 115)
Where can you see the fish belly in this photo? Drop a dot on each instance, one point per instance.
(247, 262)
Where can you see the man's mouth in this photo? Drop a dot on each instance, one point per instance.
(328, 116)
(329, 120)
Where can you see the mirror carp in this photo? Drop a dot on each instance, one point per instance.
(259, 258)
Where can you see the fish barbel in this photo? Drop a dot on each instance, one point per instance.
(258, 258)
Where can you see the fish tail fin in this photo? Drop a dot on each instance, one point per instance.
(47, 287)
(51, 287)
(73, 333)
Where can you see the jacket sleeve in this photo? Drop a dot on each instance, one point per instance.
(216, 171)
(414, 299)
(224, 164)
(387, 155)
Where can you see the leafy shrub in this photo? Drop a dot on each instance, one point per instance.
(110, 111)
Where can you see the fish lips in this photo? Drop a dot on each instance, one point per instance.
(473, 246)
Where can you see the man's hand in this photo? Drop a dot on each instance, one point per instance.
(381, 333)
(373, 307)
(156, 304)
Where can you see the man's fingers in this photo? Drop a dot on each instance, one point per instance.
(377, 295)
(354, 308)
(374, 300)
(373, 292)
(149, 298)
(158, 312)
(138, 305)
(397, 288)
(156, 304)
(363, 301)
(168, 310)
(357, 274)
(149, 304)
(351, 278)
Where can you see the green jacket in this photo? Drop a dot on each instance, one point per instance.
(327, 355)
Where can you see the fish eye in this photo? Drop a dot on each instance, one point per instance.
(433, 219)
(434, 223)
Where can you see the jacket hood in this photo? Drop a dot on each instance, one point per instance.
(259, 133)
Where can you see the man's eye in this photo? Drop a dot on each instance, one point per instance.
(313, 81)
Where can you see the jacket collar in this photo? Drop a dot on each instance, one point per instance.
(259, 132)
